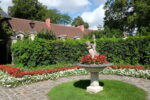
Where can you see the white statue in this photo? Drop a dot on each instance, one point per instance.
(125, 35)
(92, 47)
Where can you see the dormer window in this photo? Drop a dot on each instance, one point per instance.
(19, 36)
(76, 37)
(62, 37)
(32, 24)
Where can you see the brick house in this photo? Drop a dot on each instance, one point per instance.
(22, 26)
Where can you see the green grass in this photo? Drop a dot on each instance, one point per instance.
(113, 90)
(27, 68)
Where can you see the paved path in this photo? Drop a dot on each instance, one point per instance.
(38, 91)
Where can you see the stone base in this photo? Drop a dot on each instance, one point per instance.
(94, 89)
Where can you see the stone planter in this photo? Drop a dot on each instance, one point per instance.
(94, 71)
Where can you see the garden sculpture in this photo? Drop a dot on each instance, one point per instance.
(92, 47)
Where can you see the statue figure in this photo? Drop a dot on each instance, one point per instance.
(92, 47)
(125, 35)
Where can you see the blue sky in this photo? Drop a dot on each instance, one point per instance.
(90, 10)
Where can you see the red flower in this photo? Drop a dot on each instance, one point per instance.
(16, 72)
(100, 59)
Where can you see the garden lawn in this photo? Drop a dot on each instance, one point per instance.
(113, 90)
(27, 68)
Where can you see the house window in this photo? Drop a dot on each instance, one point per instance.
(19, 37)
(62, 37)
(76, 38)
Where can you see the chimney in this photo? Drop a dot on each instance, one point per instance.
(81, 27)
(48, 22)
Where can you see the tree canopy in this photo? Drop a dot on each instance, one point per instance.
(34, 10)
(127, 14)
(79, 21)
(57, 17)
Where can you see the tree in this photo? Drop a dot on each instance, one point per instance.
(65, 19)
(116, 14)
(57, 17)
(79, 21)
(107, 33)
(127, 14)
(34, 10)
(27, 9)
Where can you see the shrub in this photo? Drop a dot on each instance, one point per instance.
(107, 33)
(134, 50)
(46, 34)
(46, 52)
(144, 31)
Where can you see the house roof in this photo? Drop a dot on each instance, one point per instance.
(3, 14)
(22, 25)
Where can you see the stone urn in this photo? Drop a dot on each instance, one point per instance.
(94, 70)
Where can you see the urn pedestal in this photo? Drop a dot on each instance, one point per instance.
(94, 76)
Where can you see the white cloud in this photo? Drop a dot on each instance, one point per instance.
(4, 4)
(94, 18)
(66, 5)
(62, 5)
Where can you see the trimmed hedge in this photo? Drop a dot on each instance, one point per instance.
(46, 52)
(135, 50)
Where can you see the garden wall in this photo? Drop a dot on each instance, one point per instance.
(135, 50)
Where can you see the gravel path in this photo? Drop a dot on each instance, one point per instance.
(39, 90)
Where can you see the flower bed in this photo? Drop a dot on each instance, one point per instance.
(16, 72)
(128, 72)
(138, 67)
(100, 59)
(33, 76)
(9, 81)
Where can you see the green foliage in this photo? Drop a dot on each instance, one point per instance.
(46, 52)
(128, 13)
(134, 50)
(144, 31)
(115, 16)
(56, 17)
(107, 33)
(42, 67)
(48, 35)
(27, 9)
(34, 10)
(79, 21)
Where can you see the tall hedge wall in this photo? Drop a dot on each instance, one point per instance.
(135, 50)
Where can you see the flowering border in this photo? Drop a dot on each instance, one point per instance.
(16, 72)
(9, 81)
(128, 72)
(138, 67)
